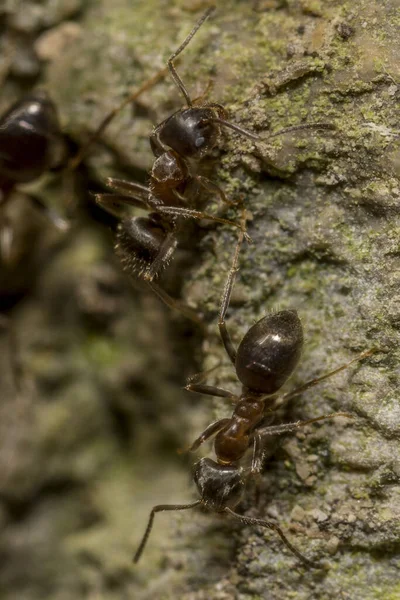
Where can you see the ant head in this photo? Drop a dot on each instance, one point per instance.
(191, 132)
(138, 242)
(31, 141)
(219, 486)
(270, 351)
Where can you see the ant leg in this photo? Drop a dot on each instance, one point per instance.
(194, 383)
(50, 214)
(292, 427)
(257, 457)
(15, 359)
(317, 380)
(210, 390)
(200, 99)
(175, 304)
(195, 214)
(163, 257)
(209, 431)
(178, 81)
(6, 239)
(269, 525)
(154, 510)
(132, 188)
(212, 187)
(79, 157)
(226, 296)
(110, 202)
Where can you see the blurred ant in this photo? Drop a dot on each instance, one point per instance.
(264, 360)
(145, 245)
(31, 143)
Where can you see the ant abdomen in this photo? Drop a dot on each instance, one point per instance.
(270, 351)
(219, 486)
(191, 132)
(138, 242)
(30, 139)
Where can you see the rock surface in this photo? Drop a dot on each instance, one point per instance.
(88, 445)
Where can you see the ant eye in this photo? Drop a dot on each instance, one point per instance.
(199, 142)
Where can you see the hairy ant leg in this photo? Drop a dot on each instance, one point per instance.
(154, 510)
(209, 431)
(177, 305)
(178, 81)
(269, 525)
(309, 384)
(226, 296)
(76, 160)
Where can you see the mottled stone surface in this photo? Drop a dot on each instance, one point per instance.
(90, 445)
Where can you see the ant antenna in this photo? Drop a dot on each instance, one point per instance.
(303, 126)
(269, 525)
(249, 134)
(178, 81)
(154, 510)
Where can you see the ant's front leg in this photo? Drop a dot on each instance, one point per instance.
(212, 187)
(111, 203)
(226, 296)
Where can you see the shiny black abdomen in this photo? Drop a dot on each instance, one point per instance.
(30, 139)
(270, 351)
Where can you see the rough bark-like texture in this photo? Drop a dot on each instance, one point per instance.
(90, 447)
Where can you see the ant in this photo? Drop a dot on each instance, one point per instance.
(31, 143)
(265, 359)
(145, 245)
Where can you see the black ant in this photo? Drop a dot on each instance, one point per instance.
(31, 143)
(145, 245)
(264, 361)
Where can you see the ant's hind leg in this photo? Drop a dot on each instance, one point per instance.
(81, 155)
(175, 304)
(226, 296)
(313, 382)
(178, 81)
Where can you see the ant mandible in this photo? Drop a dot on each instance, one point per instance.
(31, 143)
(145, 245)
(264, 360)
